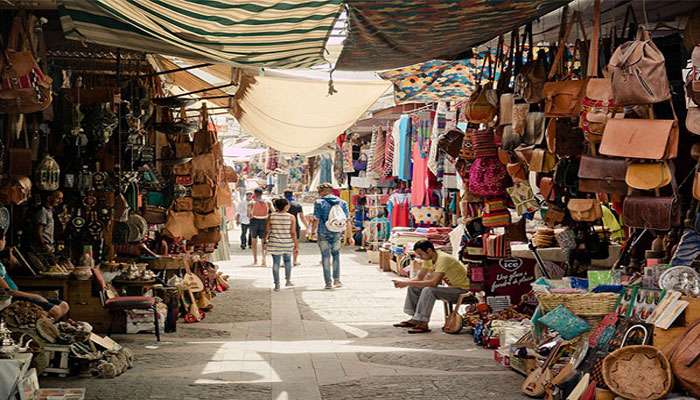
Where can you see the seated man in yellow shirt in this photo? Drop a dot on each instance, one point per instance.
(422, 293)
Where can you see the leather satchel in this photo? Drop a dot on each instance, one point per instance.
(203, 188)
(563, 98)
(542, 161)
(206, 164)
(519, 118)
(180, 225)
(554, 215)
(651, 139)
(529, 84)
(597, 107)
(660, 213)
(638, 72)
(481, 107)
(602, 175)
(505, 113)
(209, 220)
(517, 171)
(534, 128)
(692, 120)
(547, 188)
(204, 206)
(183, 204)
(183, 169)
(155, 215)
(564, 138)
(204, 139)
(648, 176)
(207, 236)
(684, 356)
(585, 210)
(24, 88)
(451, 142)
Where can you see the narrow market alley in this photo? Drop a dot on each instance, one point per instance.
(305, 343)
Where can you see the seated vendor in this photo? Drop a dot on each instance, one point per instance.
(424, 290)
(57, 309)
(43, 244)
(359, 222)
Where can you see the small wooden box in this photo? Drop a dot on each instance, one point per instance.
(385, 260)
(663, 337)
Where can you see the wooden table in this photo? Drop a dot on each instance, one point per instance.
(44, 282)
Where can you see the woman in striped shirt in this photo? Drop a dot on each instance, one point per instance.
(281, 240)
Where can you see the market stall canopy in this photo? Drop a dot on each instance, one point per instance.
(432, 81)
(296, 115)
(394, 33)
(273, 33)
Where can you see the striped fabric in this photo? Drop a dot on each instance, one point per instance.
(271, 33)
(280, 239)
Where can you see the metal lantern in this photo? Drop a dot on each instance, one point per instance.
(48, 174)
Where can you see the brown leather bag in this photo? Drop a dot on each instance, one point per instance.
(183, 169)
(534, 128)
(155, 214)
(563, 98)
(204, 206)
(529, 83)
(24, 88)
(206, 164)
(651, 139)
(660, 213)
(505, 105)
(597, 107)
(203, 187)
(547, 188)
(207, 236)
(684, 356)
(554, 216)
(638, 72)
(451, 142)
(648, 176)
(204, 139)
(602, 175)
(542, 161)
(15, 190)
(183, 147)
(585, 210)
(564, 138)
(209, 220)
(692, 120)
(455, 322)
(183, 204)
(481, 106)
(517, 171)
(180, 225)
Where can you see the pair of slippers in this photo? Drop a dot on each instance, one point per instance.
(414, 328)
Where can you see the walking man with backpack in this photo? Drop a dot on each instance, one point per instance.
(332, 215)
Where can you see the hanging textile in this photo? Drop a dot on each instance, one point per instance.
(371, 153)
(421, 149)
(399, 206)
(326, 169)
(389, 153)
(347, 157)
(276, 33)
(438, 130)
(404, 160)
(394, 33)
(396, 137)
(379, 151)
(433, 81)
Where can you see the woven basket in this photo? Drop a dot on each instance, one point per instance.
(581, 304)
(638, 372)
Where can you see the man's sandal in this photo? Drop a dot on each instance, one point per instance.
(405, 324)
(419, 329)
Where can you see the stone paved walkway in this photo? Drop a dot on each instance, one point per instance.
(305, 343)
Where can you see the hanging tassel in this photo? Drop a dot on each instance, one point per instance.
(331, 88)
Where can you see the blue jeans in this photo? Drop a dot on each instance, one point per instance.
(329, 244)
(276, 261)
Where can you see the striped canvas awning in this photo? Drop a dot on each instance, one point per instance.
(271, 33)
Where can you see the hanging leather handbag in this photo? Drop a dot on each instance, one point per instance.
(467, 152)
(659, 213)
(692, 120)
(517, 171)
(451, 142)
(585, 210)
(180, 225)
(648, 176)
(542, 161)
(206, 164)
(207, 236)
(203, 188)
(15, 190)
(230, 174)
(563, 98)
(692, 82)
(209, 220)
(564, 138)
(651, 139)
(505, 105)
(204, 139)
(183, 169)
(602, 175)
(529, 83)
(481, 106)
(204, 206)
(638, 72)
(597, 107)
(24, 88)
(183, 204)
(223, 196)
(519, 118)
(684, 357)
(534, 128)
(547, 188)
(554, 215)
(183, 146)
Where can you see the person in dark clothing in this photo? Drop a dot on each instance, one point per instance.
(296, 210)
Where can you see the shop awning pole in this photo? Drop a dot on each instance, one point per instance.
(200, 91)
(172, 71)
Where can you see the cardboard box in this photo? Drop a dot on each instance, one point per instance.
(372, 257)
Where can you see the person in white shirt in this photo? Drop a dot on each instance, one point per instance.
(243, 219)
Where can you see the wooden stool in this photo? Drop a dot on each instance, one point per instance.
(464, 298)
